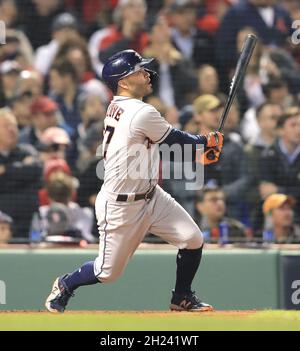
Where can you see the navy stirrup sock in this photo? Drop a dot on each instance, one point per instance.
(82, 276)
(188, 262)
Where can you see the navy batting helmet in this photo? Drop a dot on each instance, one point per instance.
(121, 65)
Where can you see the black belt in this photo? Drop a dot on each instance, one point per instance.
(145, 196)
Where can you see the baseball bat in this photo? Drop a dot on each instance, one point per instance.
(240, 70)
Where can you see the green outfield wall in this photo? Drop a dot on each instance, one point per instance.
(228, 279)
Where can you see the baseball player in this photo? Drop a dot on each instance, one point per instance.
(128, 207)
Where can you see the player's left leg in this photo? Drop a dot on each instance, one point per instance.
(177, 227)
(121, 227)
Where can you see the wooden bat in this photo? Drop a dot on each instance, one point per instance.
(239, 73)
(240, 70)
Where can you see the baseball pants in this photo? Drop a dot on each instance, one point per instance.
(123, 225)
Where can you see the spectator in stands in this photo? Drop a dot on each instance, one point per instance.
(20, 105)
(8, 12)
(279, 220)
(64, 89)
(94, 13)
(17, 48)
(20, 174)
(53, 144)
(250, 93)
(62, 216)
(92, 110)
(231, 126)
(195, 45)
(17, 44)
(38, 16)
(9, 75)
(76, 52)
(88, 181)
(230, 173)
(207, 110)
(285, 67)
(212, 14)
(280, 164)
(272, 23)
(51, 168)
(188, 123)
(276, 92)
(44, 115)
(5, 228)
(292, 7)
(177, 81)
(65, 29)
(267, 117)
(30, 81)
(208, 80)
(216, 227)
(127, 32)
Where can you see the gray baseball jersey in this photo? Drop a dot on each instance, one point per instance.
(132, 132)
(131, 158)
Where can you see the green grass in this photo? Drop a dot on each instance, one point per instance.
(108, 321)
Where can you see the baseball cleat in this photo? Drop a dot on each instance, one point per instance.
(188, 302)
(58, 299)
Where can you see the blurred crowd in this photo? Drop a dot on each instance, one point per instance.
(53, 103)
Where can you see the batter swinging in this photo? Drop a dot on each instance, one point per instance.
(131, 203)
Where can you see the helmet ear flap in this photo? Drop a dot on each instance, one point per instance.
(153, 75)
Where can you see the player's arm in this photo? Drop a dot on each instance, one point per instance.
(150, 123)
(212, 142)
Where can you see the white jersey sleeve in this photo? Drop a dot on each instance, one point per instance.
(149, 122)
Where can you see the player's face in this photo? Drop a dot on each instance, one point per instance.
(138, 84)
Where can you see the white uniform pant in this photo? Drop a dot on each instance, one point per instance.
(123, 225)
